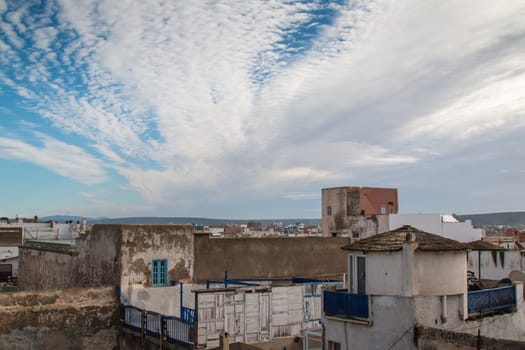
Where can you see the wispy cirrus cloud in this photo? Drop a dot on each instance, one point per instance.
(227, 97)
(59, 157)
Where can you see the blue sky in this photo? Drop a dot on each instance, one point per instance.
(247, 109)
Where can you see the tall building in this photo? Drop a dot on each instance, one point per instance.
(357, 211)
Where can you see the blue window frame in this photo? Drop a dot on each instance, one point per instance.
(159, 272)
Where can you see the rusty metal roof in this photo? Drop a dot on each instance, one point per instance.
(394, 240)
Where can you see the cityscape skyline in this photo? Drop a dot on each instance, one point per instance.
(246, 110)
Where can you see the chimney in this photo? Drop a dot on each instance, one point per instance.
(224, 341)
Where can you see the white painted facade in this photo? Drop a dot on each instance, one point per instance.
(459, 231)
(163, 300)
(495, 264)
(412, 287)
(412, 273)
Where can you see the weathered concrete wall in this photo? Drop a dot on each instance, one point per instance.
(441, 312)
(39, 269)
(165, 300)
(95, 262)
(440, 273)
(384, 272)
(98, 260)
(142, 243)
(392, 327)
(495, 264)
(268, 257)
(60, 319)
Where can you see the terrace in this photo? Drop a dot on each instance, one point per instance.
(488, 301)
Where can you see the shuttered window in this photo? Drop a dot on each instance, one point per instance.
(159, 272)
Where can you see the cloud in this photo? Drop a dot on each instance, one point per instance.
(298, 196)
(58, 157)
(228, 97)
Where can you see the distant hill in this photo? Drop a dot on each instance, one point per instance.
(63, 218)
(198, 221)
(489, 219)
(492, 219)
(178, 220)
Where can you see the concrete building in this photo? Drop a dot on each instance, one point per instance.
(14, 233)
(407, 289)
(163, 270)
(443, 225)
(357, 212)
(10, 239)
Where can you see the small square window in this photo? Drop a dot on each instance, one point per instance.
(159, 272)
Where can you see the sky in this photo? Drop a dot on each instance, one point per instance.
(247, 109)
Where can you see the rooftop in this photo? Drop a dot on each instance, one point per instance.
(394, 240)
(483, 245)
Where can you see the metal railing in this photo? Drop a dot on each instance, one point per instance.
(187, 314)
(343, 304)
(166, 328)
(153, 324)
(490, 300)
(178, 331)
(132, 318)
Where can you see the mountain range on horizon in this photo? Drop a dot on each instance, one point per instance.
(503, 218)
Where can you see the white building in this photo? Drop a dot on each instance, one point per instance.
(14, 234)
(404, 285)
(443, 225)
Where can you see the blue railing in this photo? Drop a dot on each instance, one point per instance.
(187, 314)
(132, 318)
(173, 329)
(178, 331)
(489, 300)
(153, 324)
(341, 303)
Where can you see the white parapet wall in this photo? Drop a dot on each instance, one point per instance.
(495, 265)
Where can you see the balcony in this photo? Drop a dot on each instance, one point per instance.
(490, 300)
(343, 304)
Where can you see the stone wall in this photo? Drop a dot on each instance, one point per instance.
(60, 319)
(438, 339)
(95, 262)
(268, 257)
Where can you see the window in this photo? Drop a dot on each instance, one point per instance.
(159, 272)
(332, 345)
(357, 274)
(329, 211)
(350, 274)
(361, 275)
